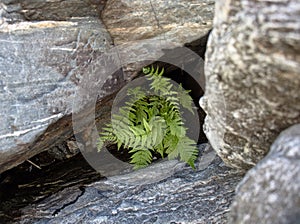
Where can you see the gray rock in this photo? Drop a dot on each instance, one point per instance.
(269, 193)
(14, 11)
(180, 195)
(39, 10)
(252, 77)
(9, 13)
(40, 65)
(169, 23)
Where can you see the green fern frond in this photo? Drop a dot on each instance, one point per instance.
(149, 124)
(170, 142)
(160, 85)
(160, 148)
(186, 150)
(159, 130)
(185, 99)
(136, 94)
(176, 128)
(141, 158)
(147, 70)
(100, 144)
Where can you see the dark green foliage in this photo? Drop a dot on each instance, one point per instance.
(152, 123)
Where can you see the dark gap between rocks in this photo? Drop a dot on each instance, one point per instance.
(26, 184)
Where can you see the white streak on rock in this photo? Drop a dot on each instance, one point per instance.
(22, 132)
(48, 118)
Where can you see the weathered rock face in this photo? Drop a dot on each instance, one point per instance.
(171, 23)
(48, 47)
(252, 77)
(269, 193)
(179, 21)
(187, 196)
(40, 65)
(37, 10)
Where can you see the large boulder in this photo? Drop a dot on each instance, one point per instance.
(269, 193)
(45, 49)
(252, 77)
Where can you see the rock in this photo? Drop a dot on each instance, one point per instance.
(10, 12)
(252, 77)
(181, 196)
(169, 23)
(26, 184)
(175, 21)
(14, 11)
(40, 66)
(269, 193)
(39, 10)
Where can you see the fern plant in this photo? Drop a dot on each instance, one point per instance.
(152, 124)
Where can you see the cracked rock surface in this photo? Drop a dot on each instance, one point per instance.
(185, 196)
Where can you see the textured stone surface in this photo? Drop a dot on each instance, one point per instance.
(269, 193)
(179, 21)
(40, 66)
(181, 196)
(169, 23)
(252, 77)
(13, 11)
